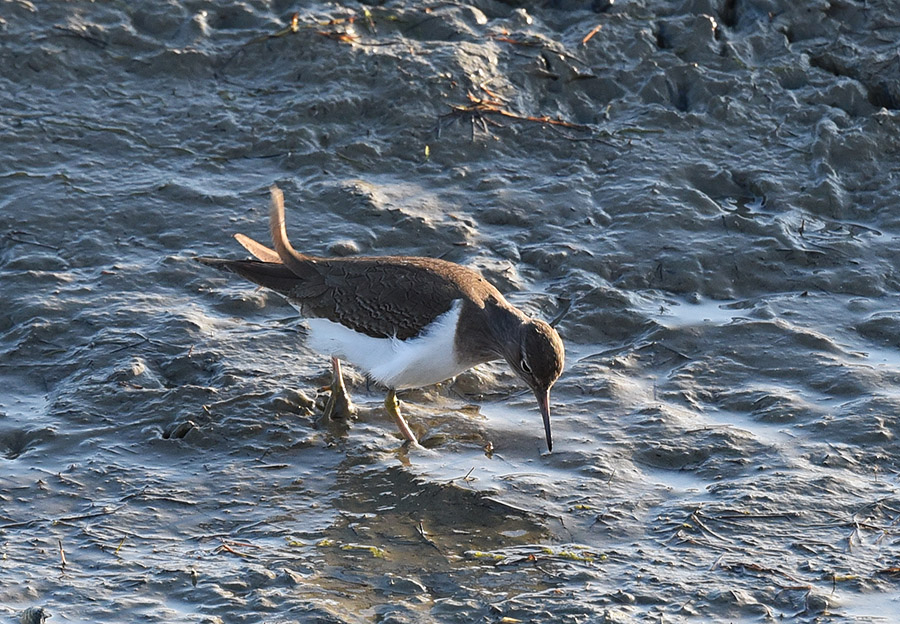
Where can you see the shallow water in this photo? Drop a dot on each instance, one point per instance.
(715, 225)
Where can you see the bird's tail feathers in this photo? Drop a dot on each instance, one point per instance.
(296, 261)
(269, 274)
(258, 250)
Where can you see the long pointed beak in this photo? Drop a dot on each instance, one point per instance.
(543, 399)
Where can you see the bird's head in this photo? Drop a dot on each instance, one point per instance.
(538, 359)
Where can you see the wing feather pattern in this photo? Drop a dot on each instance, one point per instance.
(378, 296)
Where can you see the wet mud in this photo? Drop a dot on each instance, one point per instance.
(703, 193)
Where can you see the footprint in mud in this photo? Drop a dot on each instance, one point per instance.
(13, 444)
(16, 442)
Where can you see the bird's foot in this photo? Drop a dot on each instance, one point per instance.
(339, 406)
(392, 405)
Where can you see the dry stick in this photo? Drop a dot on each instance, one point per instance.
(494, 106)
(131, 345)
(134, 494)
(62, 554)
(71, 32)
(17, 525)
(523, 511)
(292, 28)
(479, 108)
(370, 21)
(566, 306)
(465, 478)
(593, 32)
(228, 548)
(755, 567)
(28, 242)
(337, 36)
(893, 571)
(420, 528)
(96, 514)
(244, 544)
(536, 44)
(695, 517)
(757, 516)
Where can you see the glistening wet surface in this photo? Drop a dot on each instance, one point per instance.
(702, 192)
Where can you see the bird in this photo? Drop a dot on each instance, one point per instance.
(406, 321)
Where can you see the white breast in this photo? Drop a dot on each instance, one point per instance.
(421, 361)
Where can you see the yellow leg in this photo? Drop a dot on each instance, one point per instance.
(393, 409)
(339, 406)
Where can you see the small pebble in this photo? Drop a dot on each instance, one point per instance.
(344, 248)
(182, 430)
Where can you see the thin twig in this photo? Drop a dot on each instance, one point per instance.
(15, 239)
(290, 29)
(593, 32)
(420, 529)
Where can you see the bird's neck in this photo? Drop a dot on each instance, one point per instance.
(490, 331)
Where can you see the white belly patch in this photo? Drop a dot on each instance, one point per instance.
(413, 363)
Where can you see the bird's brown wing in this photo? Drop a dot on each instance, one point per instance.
(378, 296)
(386, 296)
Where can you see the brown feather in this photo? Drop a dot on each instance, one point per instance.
(380, 296)
(259, 251)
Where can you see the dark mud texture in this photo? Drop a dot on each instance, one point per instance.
(705, 191)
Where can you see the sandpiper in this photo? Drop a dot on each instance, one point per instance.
(406, 321)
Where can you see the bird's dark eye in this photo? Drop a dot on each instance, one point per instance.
(525, 367)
